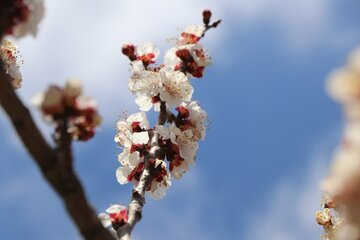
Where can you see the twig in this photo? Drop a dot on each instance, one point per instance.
(63, 180)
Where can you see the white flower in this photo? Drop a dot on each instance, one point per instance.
(147, 52)
(178, 171)
(145, 103)
(170, 58)
(197, 120)
(140, 138)
(123, 135)
(175, 87)
(188, 151)
(160, 186)
(73, 88)
(139, 117)
(115, 214)
(158, 189)
(197, 52)
(126, 136)
(137, 67)
(146, 85)
(186, 148)
(8, 54)
(196, 30)
(129, 159)
(30, 26)
(200, 56)
(122, 174)
(191, 34)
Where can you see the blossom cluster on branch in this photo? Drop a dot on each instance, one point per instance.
(59, 105)
(340, 216)
(152, 156)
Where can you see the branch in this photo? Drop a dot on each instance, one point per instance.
(63, 142)
(138, 194)
(61, 178)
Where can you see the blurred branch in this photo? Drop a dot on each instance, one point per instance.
(56, 168)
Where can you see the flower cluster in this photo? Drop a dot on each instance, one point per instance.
(114, 217)
(21, 16)
(165, 88)
(341, 214)
(67, 106)
(10, 58)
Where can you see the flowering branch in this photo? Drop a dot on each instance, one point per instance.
(174, 139)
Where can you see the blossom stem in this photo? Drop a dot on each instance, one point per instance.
(138, 194)
(63, 180)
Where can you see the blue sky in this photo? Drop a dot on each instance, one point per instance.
(272, 130)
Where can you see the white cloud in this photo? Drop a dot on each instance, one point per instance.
(303, 23)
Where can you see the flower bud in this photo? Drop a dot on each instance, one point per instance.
(206, 17)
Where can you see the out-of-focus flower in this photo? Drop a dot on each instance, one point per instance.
(10, 58)
(344, 85)
(23, 16)
(354, 60)
(343, 182)
(67, 104)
